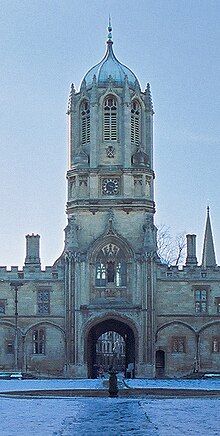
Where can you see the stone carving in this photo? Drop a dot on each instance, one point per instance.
(110, 251)
(82, 158)
(148, 186)
(110, 151)
(149, 235)
(73, 187)
(110, 230)
(83, 180)
(138, 180)
(71, 235)
(140, 158)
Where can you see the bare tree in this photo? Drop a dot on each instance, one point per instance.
(170, 249)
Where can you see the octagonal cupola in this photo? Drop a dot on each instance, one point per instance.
(110, 122)
(109, 68)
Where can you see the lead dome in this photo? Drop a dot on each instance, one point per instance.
(109, 68)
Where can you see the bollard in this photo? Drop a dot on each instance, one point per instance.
(113, 384)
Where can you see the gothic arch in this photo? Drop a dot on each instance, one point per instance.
(110, 93)
(110, 118)
(210, 324)
(10, 324)
(110, 239)
(136, 121)
(44, 323)
(44, 348)
(84, 115)
(110, 315)
(109, 322)
(107, 93)
(110, 259)
(168, 324)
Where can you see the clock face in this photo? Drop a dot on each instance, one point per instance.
(110, 186)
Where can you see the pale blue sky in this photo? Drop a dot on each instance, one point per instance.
(47, 44)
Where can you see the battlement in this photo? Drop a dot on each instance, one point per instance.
(30, 273)
(188, 273)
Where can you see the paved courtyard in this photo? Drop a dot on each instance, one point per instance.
(106, 416)
(109, 417)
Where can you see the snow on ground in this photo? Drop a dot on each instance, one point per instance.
(25, 385)
(108, 416)
(13, 385)
(177, 417)
(75, 416)
(213, 383)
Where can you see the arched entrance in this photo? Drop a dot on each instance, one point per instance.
(110, 352)
(160, 363)
(96, 332)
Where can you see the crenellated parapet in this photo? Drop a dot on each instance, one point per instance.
(32, 271)
(188, 273)
(15, 273)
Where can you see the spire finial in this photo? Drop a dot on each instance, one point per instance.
(208, 255)
(109, 29)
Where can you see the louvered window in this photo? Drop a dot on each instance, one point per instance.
(85, 122)
(110, 119)
(135, 122)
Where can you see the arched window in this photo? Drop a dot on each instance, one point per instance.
(85, 122)
(111, 267)
(110, 131)
(135, 122)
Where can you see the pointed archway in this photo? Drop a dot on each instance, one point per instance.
(97, 330)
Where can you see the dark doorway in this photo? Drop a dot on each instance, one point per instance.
(110, 352)
(122, 356)
(160, 363)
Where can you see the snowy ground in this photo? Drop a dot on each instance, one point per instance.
(108, 416)
(13, 385)
(25, 385)
(213, 383)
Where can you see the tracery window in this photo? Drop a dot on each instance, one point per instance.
(43, 301)
(110, 130)
(200, 300)
(85, 122)
(111, 267)
(135, 122)
(178, 344)
(38, 341)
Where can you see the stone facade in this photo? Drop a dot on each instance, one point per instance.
(109, 276)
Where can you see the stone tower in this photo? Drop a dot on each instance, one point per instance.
(110, 239)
